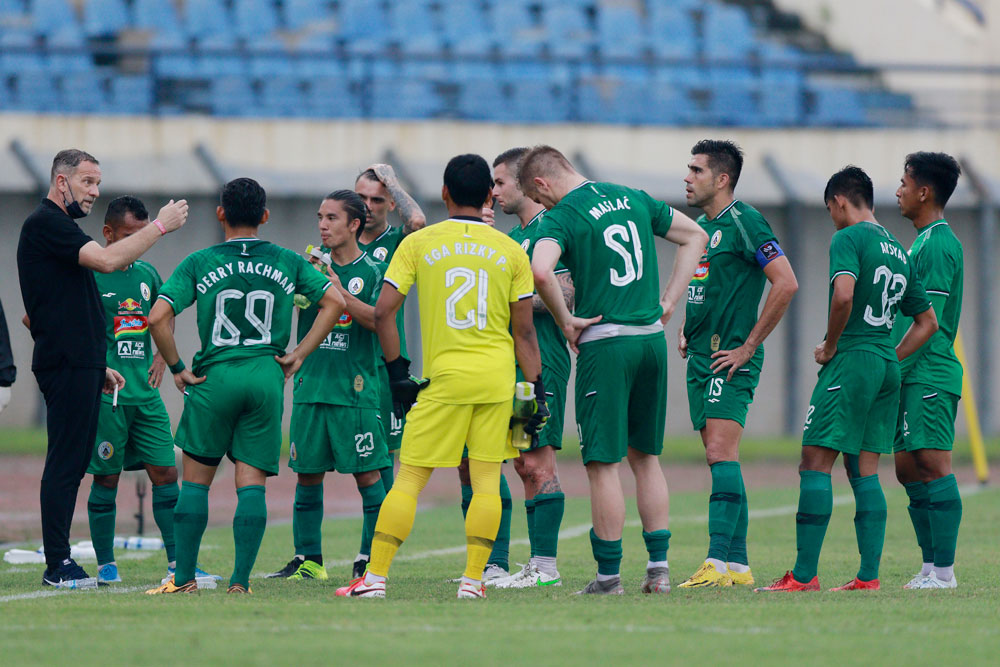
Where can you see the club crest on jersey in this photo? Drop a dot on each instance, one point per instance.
(525, 244)
(380, 253)
(129, 305)
(355, 285)
(359, 384)
(701, 273)
(144, 290)
(130, 325)
(716, 238)
(105, 450)
(716, 340)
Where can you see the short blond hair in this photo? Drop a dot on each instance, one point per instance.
(540, 162)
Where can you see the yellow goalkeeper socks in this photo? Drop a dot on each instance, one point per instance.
(483, 518)
(395, 519)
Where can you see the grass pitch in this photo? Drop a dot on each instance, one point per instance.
(288, 622)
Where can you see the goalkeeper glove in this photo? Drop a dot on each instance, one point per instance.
(537, 421)
(403, 386)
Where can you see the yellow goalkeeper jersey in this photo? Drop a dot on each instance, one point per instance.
(467, 274)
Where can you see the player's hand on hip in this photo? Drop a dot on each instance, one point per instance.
(732, 359)
(173, 215)
(403, 386)
(186, 379)
(155, 374)
(290, 364)
(112, 379)
(823, 354)
(5, 393)
(682, 343)
(575, 326)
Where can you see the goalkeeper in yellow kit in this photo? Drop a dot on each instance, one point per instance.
(474, 286)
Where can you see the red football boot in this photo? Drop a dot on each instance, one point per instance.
(788, 584)
(858, 585)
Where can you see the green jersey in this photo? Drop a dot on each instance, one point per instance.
(344, 368)
(606, 234)
(381, 249)
(244, 291)
(936, 256)
(725, 292)
(551, 342)
(127, 297)
(885, 284)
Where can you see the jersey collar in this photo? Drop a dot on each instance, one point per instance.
(725, 210)
(931, 226)
(467, 220)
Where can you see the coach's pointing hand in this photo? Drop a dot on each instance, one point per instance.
(173, 215)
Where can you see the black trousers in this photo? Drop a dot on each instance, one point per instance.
(72, 402)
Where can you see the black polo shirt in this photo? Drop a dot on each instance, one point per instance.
(60, 296)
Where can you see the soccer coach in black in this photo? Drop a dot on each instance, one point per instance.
(55, 264)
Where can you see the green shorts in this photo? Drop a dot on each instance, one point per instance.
(236, 411)
(336, 437)
(555, 399)
(391, 424)
(854, 404)
(711, 396)
(926, 418)
(132, 437)
(621, 396)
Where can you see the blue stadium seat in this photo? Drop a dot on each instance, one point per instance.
(611, 100)
(299, 14)
(68, 51)
(837, 106)
(12, 10)
(270, 58)
(102, 18)
(568, 33)
(19, 53)
(510, 18)
(404, 98)
(85, 92)
(619, 32)
(217, 56)
(207, 18)
(332, 97)
(732, 99)
(728, 33)
(232, 96)
(363, 27)
(672, 32)
(132, 94)
(281, 96)
(781, 97)
(481, 99)
(254, 18)
(173, 57)
(460, 20)
(156, 15)
(50, 15)
(35, 91)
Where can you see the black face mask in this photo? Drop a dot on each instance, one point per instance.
(73, 208)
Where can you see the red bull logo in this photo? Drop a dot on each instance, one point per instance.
(701, 273)
(129, 305)
(344, 322)
(130, 325)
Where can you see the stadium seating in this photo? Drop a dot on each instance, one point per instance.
(672, 62)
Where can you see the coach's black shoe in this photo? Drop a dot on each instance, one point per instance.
(288, 570)
(68, 575)
(360, 565)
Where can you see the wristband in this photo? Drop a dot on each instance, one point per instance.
(177, 368)
(163, 230)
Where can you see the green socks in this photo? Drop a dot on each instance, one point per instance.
(869, 524)
(190, 519)
(738, 546)
(548, 513)
(607, 553)
(815, 508)
(248, 531)
(724, 507)
(387, 477)
(657, 543)
(307, 520)
(920, 517)
(529, 510)
(501, 547)
(164, 500)
(101, 512)
(945, 511)
(371, 502)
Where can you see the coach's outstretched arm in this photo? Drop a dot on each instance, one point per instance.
(924, 326)
(105, 259)
(331, 305)
(690, 239)
(543, 267)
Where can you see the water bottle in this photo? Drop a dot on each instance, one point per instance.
(144, 543)
(524, 407)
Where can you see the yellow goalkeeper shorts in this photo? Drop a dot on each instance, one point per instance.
(435, 433)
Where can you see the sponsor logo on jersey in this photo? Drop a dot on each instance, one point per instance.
(108, 295)
(129, 305)
(131, 349)
(130, 325)
(380, 253)
(344, 322)
(716, 238)
(355, 285)
(144, 290)
(701, 273)
(696, 294)
(105, 450)
(335, 340)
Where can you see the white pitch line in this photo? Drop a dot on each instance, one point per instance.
(63, 591)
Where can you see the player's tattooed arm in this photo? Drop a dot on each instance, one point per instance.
(406, 206)
(568, 291)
